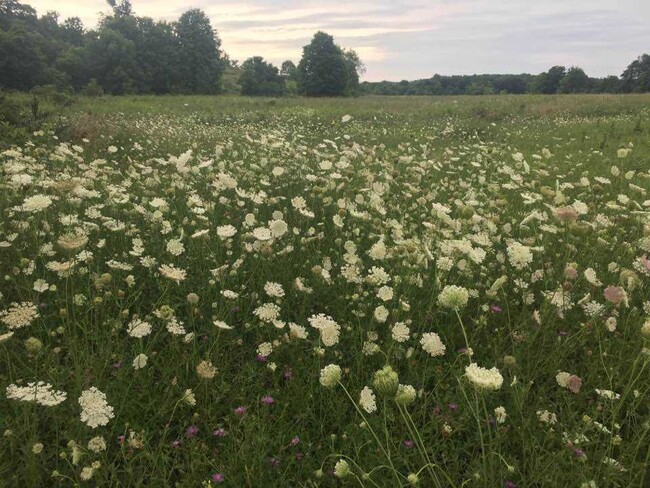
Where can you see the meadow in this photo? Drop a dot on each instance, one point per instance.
(376, 292)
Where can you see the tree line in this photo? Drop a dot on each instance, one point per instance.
(558, 79)
(130, 54)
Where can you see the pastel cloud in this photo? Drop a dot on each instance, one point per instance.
(407, 39)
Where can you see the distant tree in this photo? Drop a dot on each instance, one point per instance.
(323, 69)
(12, 11)
(259, 78)
(72, 31)
(200, 56)
(22, 61)
(610, 84)
(575, 81)
(92, 89)
(289, 71)
(510, 84)
(158, 57)
(549, 82)
(122, 8)
(355, 66)
(636, 77)
(74, 64)
(112, 60)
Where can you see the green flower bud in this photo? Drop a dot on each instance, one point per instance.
(386, 381)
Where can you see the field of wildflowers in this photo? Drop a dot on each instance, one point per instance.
(435, 292)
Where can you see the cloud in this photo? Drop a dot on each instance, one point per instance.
(407, 39)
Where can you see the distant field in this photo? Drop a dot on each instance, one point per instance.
(377, 292)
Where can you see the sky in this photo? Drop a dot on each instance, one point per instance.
(413, 39)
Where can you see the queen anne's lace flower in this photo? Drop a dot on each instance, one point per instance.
(432, 344)
(482, 378)
(329, 329)
(330, 375)
(95, 411)
(173, 273)
(453, 297)
(39, 392)
(19, 315)
(519, 255)
(367, 400)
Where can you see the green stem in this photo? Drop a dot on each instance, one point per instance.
(381, 447)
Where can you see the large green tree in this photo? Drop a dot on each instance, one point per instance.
(549, 82)
(289, 71)
(636, 77)
(575, 81)
(259, 78)
(200, 64)
(324, 70)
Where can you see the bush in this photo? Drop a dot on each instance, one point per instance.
(92, 89)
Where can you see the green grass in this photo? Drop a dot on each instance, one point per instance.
(446, 183)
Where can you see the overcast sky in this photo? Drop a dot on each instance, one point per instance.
(410, 39)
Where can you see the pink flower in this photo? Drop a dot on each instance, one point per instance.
(574, 383)
(240, 411)
(615, 294)
(268, 400)
(570, 273)
(645, 262)
(218, 478)
(495, 309)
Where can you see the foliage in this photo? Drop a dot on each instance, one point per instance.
(556, 80)
(575, 81)
(200, 63)
(125, 54)
(326, 70)
(636, 78)
(259, 78)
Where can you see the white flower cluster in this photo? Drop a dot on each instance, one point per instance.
(95, 410)
(330, 375)
(19, 315)
(39, 392)
(453, 297)
(432, 344)
(482, 378)
(329, 329)
(519, 255)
